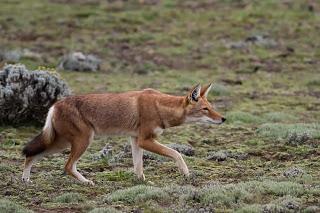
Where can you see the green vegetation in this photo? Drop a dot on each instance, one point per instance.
(9, 206)
(137, 194)
(242, 117)
(69, 198)
(263, 58)
(291, 133)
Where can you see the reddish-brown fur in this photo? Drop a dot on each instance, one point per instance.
(139, 114)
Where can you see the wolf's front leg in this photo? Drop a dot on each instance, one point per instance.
(153, 146)
(137, 156)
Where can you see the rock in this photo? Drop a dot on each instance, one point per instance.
(10, 56)
(27, 53)
(26, 96)
(237, 45)
(238, 156)
(293, 172)
(182, 148)
(258, 40)
(296, 139)
(222, 155)
(77, 61)
(218, 156)
(261, 40)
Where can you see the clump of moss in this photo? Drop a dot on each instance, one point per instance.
(137, 193)
(8, 206)
(69, 198)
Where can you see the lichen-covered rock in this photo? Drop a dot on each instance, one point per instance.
(258, 40)
(182, 148)
(296, 139)
(223, 155)
(77, 61)
(27, 95)
(293, 172)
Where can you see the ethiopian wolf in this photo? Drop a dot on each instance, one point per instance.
(141, 115)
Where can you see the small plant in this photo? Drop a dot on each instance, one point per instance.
(69, 198)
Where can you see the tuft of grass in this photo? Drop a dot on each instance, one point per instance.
(105, 210)
(71, 197)
(9, 206)
(137, 193)
(239, 117)
(292, 133)
(279, 117)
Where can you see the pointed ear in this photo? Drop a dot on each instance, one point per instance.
(194, 94)
(205, 90)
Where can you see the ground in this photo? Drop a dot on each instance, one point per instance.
(263, 57)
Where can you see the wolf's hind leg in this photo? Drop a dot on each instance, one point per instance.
(57, 146)
(137, 156)
(78, 147)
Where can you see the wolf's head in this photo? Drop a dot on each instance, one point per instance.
(198, 108)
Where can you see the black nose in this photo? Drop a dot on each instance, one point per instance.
(223, 119)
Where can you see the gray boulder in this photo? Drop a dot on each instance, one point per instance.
(77, 61)
(293, 172)
(27, 95)
(182, 148)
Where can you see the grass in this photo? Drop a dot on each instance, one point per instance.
(239, 117)
(9, 206)
(285, 131)
(139, 193)
(268, 94)
(69, 198)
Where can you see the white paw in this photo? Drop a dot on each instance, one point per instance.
(89, 182)
(141, 177)
(26, 180)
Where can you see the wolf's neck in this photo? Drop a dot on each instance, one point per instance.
(171, 111)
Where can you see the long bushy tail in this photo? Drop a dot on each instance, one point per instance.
(43, 140)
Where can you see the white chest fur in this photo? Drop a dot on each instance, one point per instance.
(158, 131)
